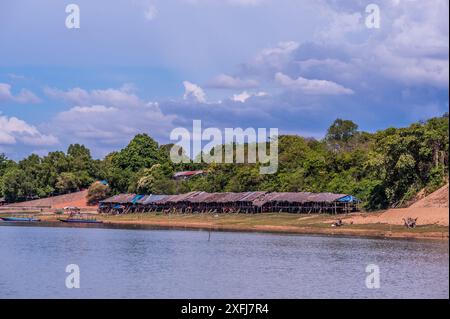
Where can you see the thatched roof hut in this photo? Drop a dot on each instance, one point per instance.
(258, 201)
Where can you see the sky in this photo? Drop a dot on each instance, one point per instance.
(150, 66)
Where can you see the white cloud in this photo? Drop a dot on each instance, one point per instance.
(107, 119)
(112, 97)
(244, 96)
(193, 91)
(313, 87)
(24, 96)
(14, 131)
(276, 57)
(411, 47)
(100, 125)
(95, 109)
(151, 12)
(224, 81)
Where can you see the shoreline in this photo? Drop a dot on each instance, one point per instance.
(338, 232)
(267, 223)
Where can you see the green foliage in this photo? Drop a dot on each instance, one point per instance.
(97, 192)
(15, 185)
(383, 169)
(142, 152)
(341, 131)
(156, 180)
(67, 182)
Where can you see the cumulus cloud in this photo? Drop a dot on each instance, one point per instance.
(14, 131)
(307, 86)
(411, 47)
(24, 96)
(104, 126)
(223, 81)
(244, 96)
(107, 119)
(342, 69)
(274, 58)
(193, 91)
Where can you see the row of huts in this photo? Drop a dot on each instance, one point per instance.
(246, 202)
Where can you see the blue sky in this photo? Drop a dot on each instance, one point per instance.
(151, 66)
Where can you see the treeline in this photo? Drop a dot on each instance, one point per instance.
(383, 169)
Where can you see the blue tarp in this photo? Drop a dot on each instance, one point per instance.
(136, 198)
(117, 206)
(348, 199)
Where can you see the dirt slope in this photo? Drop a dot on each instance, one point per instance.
(77, 199)
(436, 199)
(432, 209)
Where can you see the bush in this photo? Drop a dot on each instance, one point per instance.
(97, 192)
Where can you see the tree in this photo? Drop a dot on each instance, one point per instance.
(67, 182)
(97, 192)
(16, 186)
(141, 152)
(155, 181)
(341, 131)
(383, 169)
(79, 157)
(5, 165)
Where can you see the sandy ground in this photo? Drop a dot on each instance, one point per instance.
(425, 216)
(77, 199)
(438, 199)
(431, 210)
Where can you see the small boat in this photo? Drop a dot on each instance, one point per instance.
(76, 217)
(20, 219)
(80, 220)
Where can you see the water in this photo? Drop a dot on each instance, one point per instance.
(117, 263)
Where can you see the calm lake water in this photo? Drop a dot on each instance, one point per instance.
(117, 263)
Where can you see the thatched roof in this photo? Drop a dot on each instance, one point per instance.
(254, 198)
(119, 199)
(179, 198)
(251, 196)
(200, 197)
(297, 197)
(153, 199)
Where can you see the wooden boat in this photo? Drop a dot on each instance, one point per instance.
(76, 217)
(80, 220)
(20, 219)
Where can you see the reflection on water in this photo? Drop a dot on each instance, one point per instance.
(117, 263)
